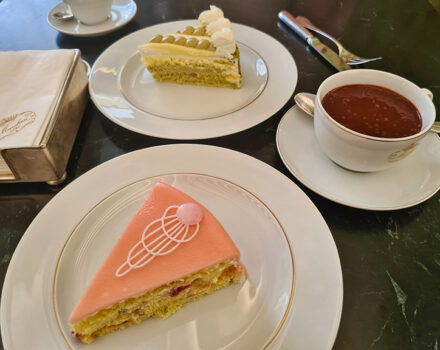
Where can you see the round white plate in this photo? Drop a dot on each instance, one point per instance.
(144, 93)
(125, 92)
(411, 181)
(123, 12)
(27, 308)
(262, 301)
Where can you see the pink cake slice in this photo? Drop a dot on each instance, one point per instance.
(158, 265)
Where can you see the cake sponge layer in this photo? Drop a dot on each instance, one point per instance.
(216, 80)
(201, 71)
(160, 302)
(195, 70)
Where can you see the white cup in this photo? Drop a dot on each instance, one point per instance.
(90, 11)
(364, 153)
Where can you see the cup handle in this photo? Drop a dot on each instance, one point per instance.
(428, 93)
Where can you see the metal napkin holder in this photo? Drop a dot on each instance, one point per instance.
(47, 161)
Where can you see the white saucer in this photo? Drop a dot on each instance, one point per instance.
(124, 91)
(408, 183)
(123, 12)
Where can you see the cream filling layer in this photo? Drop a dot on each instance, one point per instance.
(161, 56)
(152, 49)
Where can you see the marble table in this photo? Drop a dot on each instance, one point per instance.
(390, 260)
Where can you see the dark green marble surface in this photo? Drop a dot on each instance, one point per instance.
(390, 260)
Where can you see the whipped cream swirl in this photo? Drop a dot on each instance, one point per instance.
(220, 30)
(211, 15)
(218, 25)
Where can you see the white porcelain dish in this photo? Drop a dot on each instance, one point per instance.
(355, 151)
(125, 92)
(262, 302)
(409, 182)
(175, 101)
(87, 208)
(123, 11)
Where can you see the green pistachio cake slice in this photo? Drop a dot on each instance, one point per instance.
(204, 55)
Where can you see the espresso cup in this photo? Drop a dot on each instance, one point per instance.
(363, 153)
(90, 11)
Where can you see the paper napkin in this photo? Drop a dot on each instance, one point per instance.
(30, 83)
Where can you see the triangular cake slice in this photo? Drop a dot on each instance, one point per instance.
(173, 251)
(203, 55)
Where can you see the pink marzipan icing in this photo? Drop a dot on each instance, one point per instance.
(211, 246)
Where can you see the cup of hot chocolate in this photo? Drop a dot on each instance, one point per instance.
(368, 120)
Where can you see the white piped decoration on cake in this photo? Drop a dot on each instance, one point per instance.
(224, 43)
(220, 30)
(211, 15)
(173, 230)
(221, 23)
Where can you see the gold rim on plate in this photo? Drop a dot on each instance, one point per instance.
(289, 305)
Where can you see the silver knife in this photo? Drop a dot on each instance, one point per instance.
(326, 52)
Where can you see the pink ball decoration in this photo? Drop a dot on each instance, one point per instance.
(189, 214)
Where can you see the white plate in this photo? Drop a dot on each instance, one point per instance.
(411, 181)
(262, 301)
(123, 12)
(27, 307)
(125, 92)
(144, 93)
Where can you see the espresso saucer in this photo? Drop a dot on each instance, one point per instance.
(122, 12)
(409, 182)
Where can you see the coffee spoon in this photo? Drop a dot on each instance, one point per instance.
(62, 15)
(306, 102)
